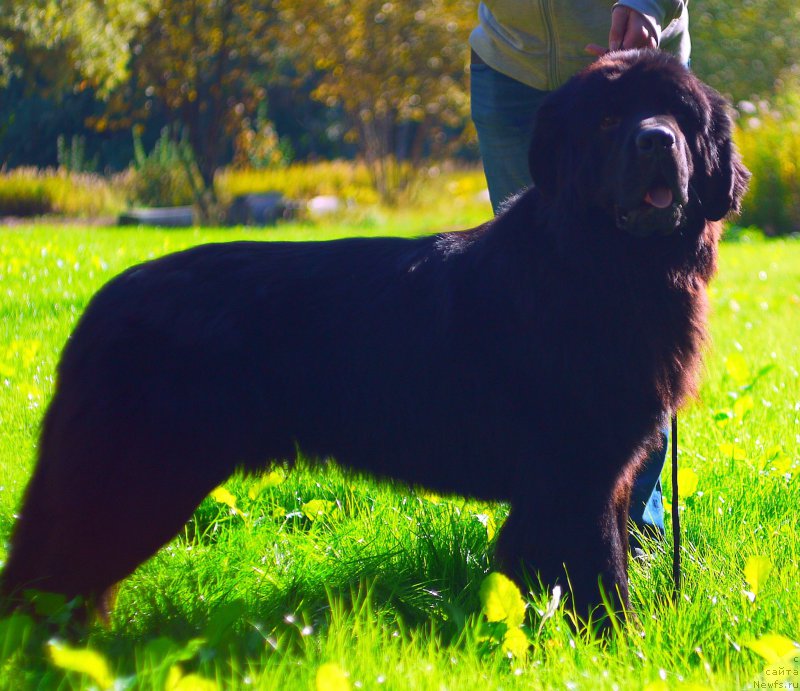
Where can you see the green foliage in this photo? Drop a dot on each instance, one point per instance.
(429, 188)
(92, 37)
(31, 192)
(167, 175)
(72, 157)
(504, 609)
(501, 600)
(769, 140)
(389, 79)
(25, 193)
(258, 146)
(396, 69)
(160, 179)
(742, 48)
(205, 63)
(81, 661)
(344, 179)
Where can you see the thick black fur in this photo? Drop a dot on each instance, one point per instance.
(531, 359)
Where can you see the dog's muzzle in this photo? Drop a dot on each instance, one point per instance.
(657, 181)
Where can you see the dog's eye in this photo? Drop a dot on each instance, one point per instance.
(609, 122)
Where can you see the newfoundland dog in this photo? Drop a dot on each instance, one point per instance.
(531, 359)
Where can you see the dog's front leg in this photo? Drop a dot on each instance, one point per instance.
(572, 539)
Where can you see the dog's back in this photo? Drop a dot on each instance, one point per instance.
(184, 367)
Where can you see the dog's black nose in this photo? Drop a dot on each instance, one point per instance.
(651, 140)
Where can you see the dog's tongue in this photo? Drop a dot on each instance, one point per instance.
(659, 196)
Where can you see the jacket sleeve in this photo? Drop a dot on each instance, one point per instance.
(657, 13)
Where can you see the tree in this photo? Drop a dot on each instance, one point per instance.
(398, 70)
(91, 36)
(58, 61)
(742, 48)
(206, 63)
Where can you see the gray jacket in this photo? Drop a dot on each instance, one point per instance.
(541, 42)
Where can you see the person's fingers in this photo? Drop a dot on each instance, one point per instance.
(637, 33)
(620, 16)
(629, 29)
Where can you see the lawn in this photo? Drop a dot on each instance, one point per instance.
(313, 578)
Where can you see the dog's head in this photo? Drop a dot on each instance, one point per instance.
(637, 136)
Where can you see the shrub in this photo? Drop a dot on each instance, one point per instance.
(23, 193)
(344, 179)
(167, 176)
(72, 157)
(768, 137)
(257, 145)
(350, 181)
(32, 192)
(771, 151)
(439, 193)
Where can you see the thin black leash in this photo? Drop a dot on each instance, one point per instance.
(676, 519)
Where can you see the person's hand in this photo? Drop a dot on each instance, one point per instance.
(629, 29)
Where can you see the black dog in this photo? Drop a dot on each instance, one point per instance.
(531, 359)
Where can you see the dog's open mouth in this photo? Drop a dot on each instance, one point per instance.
(659, 196)
(659, 211)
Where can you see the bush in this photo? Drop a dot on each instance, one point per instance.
(72, 157)
(347, 180)
(167, 176)
(257, 145)
(32, 192)
(771, 151)
(443, 193)
(768, 137)
(24, 193)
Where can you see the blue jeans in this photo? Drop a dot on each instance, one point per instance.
(503, 111)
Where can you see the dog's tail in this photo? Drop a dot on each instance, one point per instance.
(35, 557)
(106, 494)
(60, 536)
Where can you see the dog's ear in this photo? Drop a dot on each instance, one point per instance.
(547, 144)
(723, 183)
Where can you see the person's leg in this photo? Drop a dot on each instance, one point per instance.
(503, 111)
(647, 504)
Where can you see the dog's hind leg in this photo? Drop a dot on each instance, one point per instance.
(100, 502)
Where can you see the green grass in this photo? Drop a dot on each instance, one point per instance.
(384, 582)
